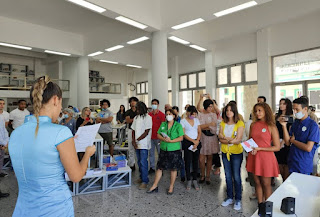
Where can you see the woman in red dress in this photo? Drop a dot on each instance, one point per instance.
(262, 161)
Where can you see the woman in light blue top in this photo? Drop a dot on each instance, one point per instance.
(40, 152)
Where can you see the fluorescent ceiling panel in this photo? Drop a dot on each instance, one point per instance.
(138, 40)
(95, 54)
(186, 24)
(56, 52)
(114, 48)
(107, 61)
(15, 46)
(179, 40)
(131, 22)
(88, 5)
(198, 47)
(235, 9)
(134, 66)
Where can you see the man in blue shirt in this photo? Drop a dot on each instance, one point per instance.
(304, 138)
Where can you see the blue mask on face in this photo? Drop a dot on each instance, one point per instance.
(154, 107)
(104, 109)
(66, 116)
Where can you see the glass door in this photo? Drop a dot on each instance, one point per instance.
(287, 91)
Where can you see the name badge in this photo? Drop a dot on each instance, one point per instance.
(264, 130)
(304, 128)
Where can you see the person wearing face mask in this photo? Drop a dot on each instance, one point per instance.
(303, 137)
(170, 134)
(191, 145)
(105, 117)
(68, 120)
(157, 118)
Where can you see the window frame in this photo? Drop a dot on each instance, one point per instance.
(145, 87)
(197, 87)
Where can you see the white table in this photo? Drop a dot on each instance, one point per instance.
(305, 189)
(119, 178)
(119, 128)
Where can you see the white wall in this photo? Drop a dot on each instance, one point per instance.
(36, 36)
(298, 34)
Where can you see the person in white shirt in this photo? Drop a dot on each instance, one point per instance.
(141, 141)
(191, 145)
(4, 139)
(3, 114)
(17, 116)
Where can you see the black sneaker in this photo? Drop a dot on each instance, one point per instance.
(151, 171)
(4, 194)
(3, 175)
(183, 179)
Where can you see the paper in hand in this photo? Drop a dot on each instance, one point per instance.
(164, 135)
(85, 137)
(191, 148)
(249, 144)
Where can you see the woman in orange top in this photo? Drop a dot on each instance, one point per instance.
(262, 161)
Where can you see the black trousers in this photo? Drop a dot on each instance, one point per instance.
(191, 157)
(216, 160)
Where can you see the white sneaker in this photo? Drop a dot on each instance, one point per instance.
(237, 205)
(227, 202)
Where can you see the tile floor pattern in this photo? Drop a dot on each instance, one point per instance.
(134, 202)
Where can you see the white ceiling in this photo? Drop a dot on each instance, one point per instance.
(101, 31)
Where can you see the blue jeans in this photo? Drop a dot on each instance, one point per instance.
(142, 156)
(155, 143)
(232, 171)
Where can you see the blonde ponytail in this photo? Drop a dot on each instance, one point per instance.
(37, 93)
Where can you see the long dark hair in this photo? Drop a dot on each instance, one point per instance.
(269, 118)
(142, 109)
(234, 109)
(124, 109)
(289, 110)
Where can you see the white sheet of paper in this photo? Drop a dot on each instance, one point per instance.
(164, 135)
(191, 148)
(249, 144)
(85, 137)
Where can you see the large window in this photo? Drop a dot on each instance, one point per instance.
(238, 82)
(192, 85)
(297, 74)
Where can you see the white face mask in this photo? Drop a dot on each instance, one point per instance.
(169, 117)
(299, 115)
(154, 107)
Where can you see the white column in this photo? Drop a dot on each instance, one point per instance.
(149, 87)
(210, 74)
(83, 82)
(264, 65)
(160, 68)
(175, 81)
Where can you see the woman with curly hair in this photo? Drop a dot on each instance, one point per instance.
(262, 161)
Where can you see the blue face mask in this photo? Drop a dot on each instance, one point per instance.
(154, 107)
(66, 116)
(104, 109)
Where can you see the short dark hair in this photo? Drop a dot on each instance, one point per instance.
(171, 111)
(233, 101)
(192, 109)
(263, 97)
(21, 100)
(302, 101)
(133, 99)
(106, 101)
(175, 108)
(1, 99)
(207, 103)
(155, 100)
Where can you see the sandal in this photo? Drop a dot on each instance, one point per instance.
(202, 180)
(189, 185)
(195, 184)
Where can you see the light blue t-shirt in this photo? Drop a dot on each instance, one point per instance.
(43, 190)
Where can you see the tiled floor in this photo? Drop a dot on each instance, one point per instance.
(134, 202)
